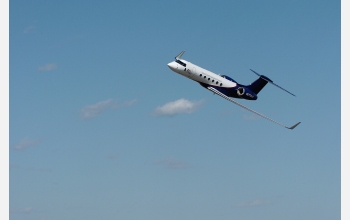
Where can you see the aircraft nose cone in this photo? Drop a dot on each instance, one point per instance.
(172, 65)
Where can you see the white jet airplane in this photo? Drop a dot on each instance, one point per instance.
(223, 85)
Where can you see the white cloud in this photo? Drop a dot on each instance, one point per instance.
(48, 67)
(171, 163)
(256, 202)
(25, 143)
(125, 104)
(93, 110)
(181, 106)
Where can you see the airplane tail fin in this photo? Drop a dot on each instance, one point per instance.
(257, 85)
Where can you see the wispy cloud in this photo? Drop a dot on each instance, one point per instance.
(26, 210)
(227, 112)
(48, 67)
(112, 156)
(181, 106)
(66, 41)
(91, 111)
(254, 203)
(30, 169)
(251, 117)
(26, 143)
(127, 103)
(172, 163)
(29, 29)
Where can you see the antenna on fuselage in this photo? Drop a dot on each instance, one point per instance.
(180, 55)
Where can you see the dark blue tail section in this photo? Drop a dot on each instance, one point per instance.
(257, 85)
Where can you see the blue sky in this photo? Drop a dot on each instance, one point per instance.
(101, 128)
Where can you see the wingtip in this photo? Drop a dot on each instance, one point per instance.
(291, 128)
(180, 55)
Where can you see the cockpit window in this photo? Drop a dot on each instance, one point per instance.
(181, 63)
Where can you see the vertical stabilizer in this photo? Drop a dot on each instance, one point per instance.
(257, 85)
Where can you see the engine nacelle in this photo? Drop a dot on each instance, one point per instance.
(245, 93)
(240, 91)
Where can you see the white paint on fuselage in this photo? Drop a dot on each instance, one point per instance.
(200, 75)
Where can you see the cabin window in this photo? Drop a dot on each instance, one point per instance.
(216, 82)
(212, 80)
(209, 79)
(204, 77)
(220, 84)
(200, 75)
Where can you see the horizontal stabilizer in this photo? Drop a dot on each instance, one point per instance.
(270, 81)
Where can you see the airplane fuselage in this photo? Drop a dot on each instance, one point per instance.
(206, 78)
(223, 85)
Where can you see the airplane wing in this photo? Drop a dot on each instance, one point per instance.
(231, 100)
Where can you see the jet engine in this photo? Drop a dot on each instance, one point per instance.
(245, 93)
(240, 91)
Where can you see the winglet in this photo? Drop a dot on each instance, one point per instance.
(291, 128)
(179, 56)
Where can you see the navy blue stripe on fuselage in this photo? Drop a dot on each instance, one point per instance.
(233, 91)
(228, 91)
